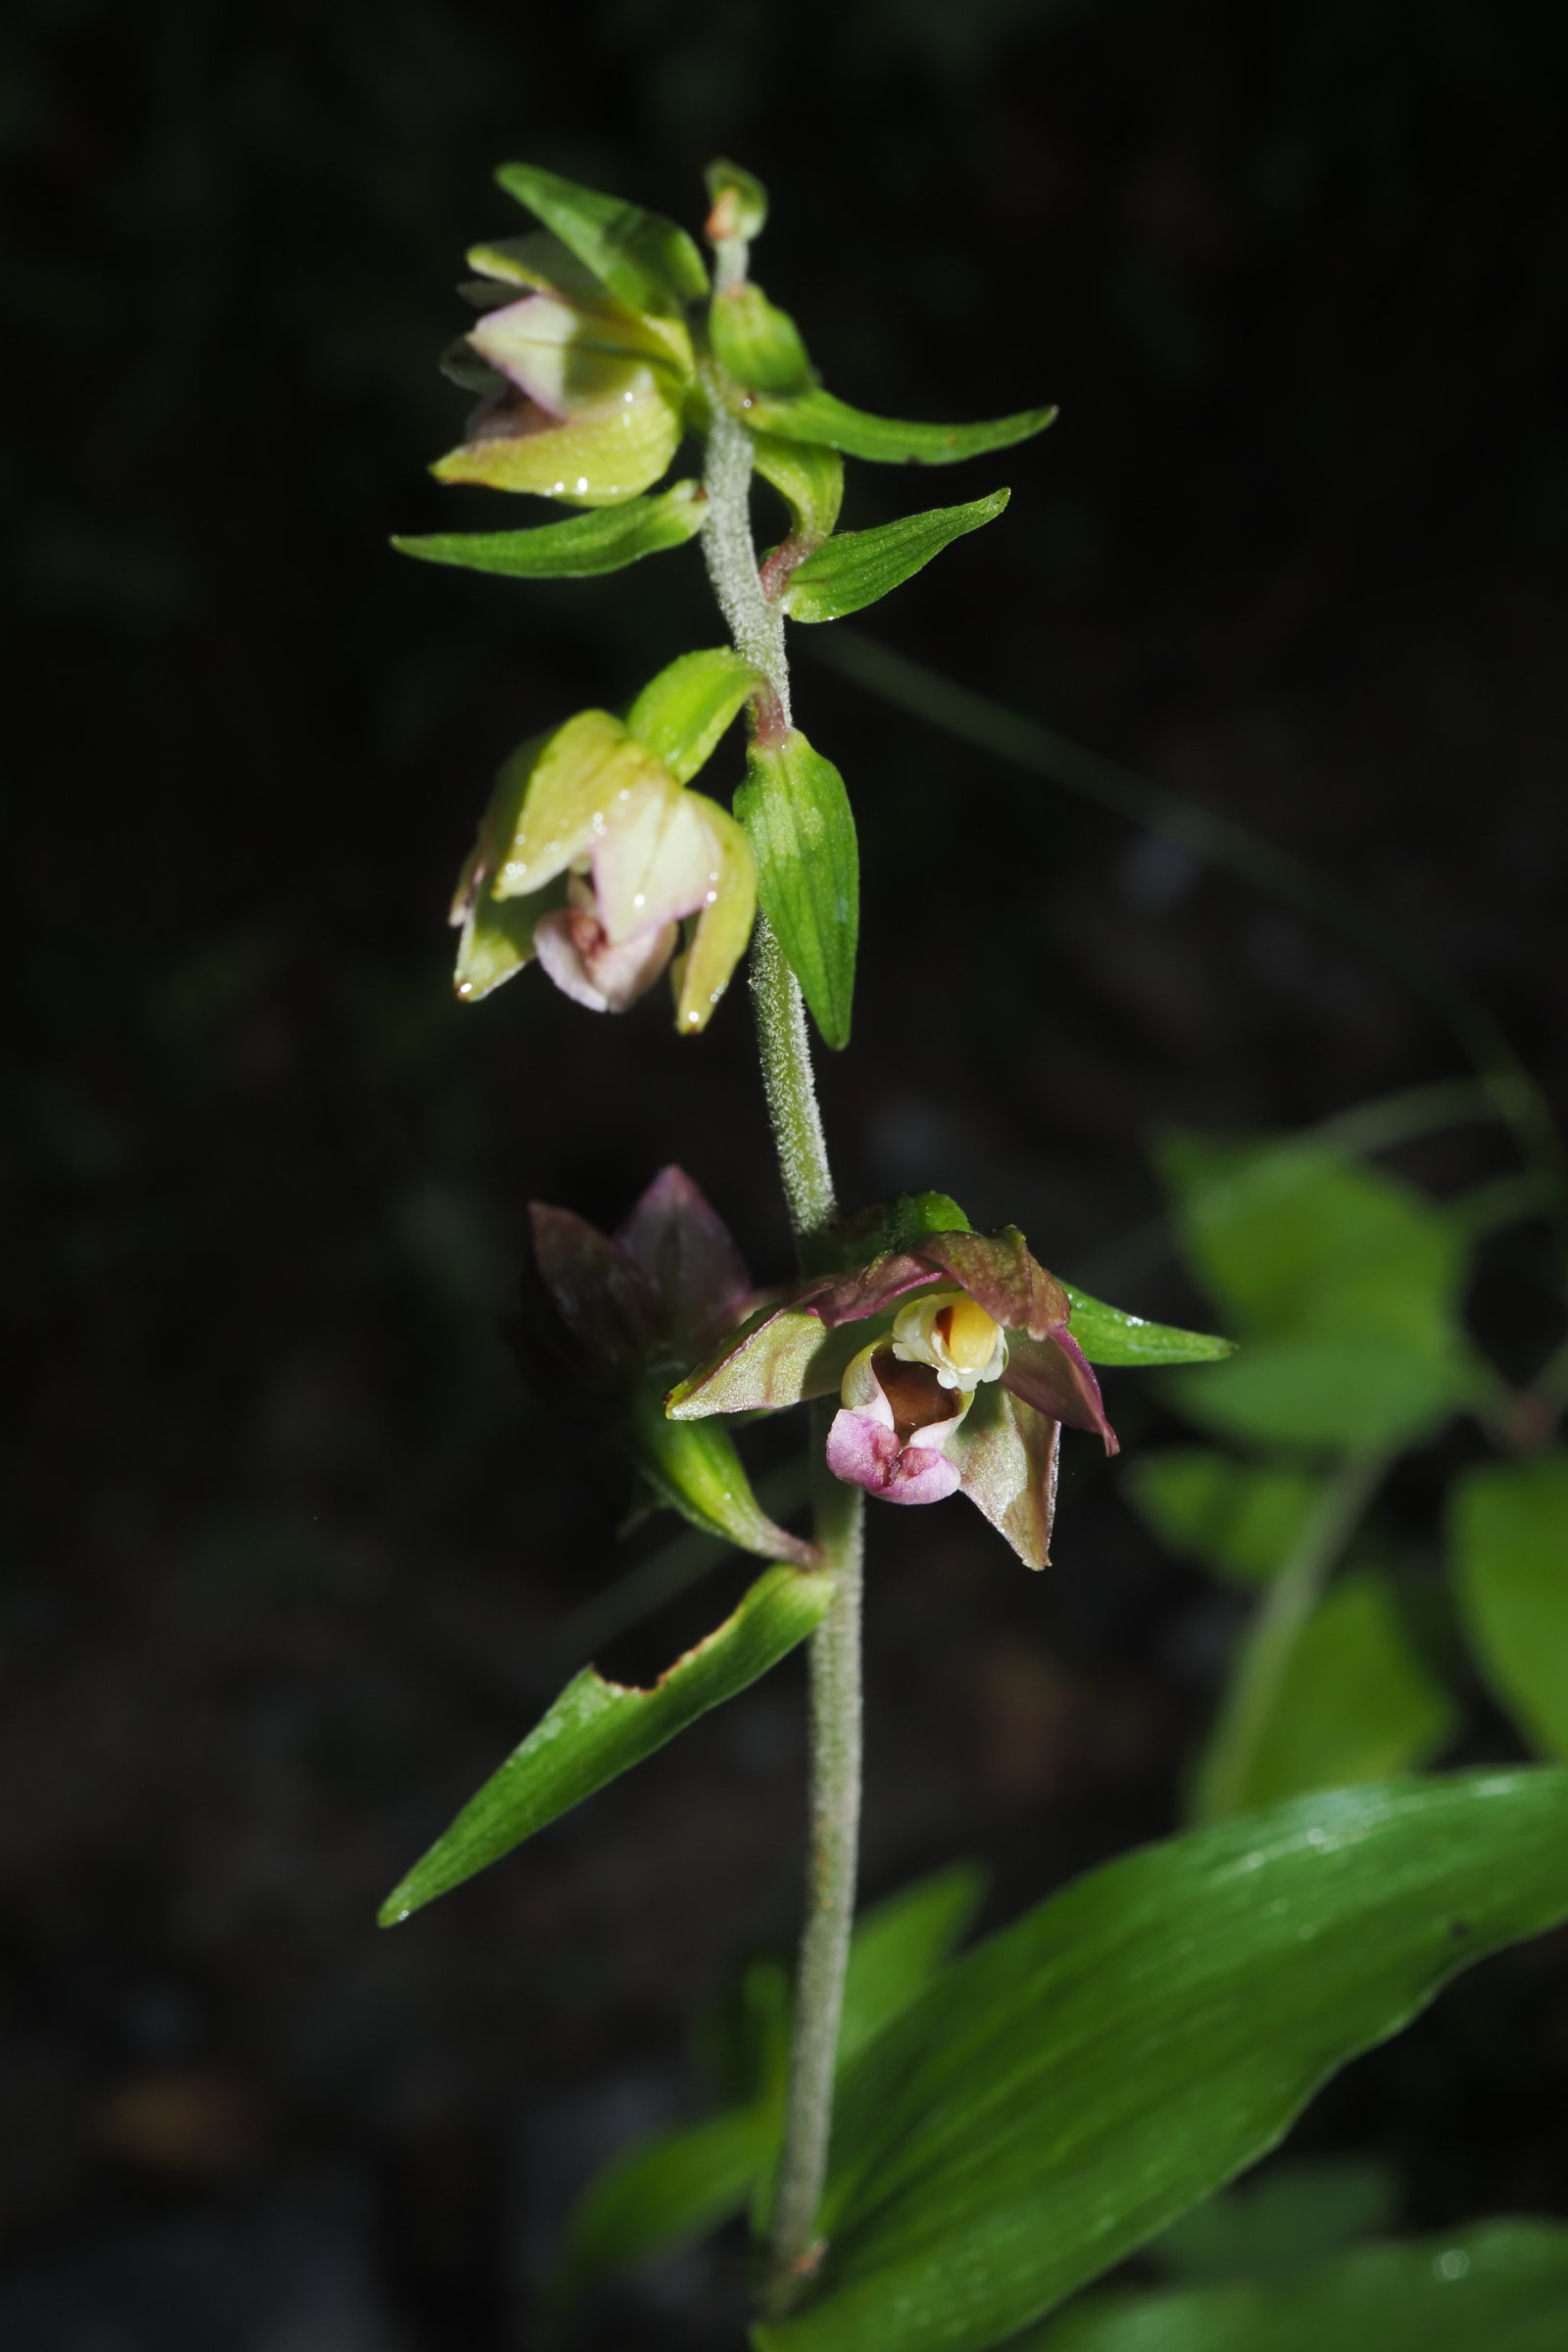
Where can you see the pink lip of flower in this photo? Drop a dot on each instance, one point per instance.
(892, 1428)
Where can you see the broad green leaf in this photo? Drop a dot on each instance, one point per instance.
(693, 1467)
(1294, 1238)
(798, 822)
(810, 479)
(1242, 1519)
(1327, 1390)
(1063, 2092)
(1493, 2286)
(856, 567)
(1108, 1335)
(681, 713)
(597, 1730)
(604, 539)
(666, 2192)
(1356, 1701)
(757, 345)
(645, 260)
(816, 415)
(1290, 2212)
(682, 2184)
(1508, 1529)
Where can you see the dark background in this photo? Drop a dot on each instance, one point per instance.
(291, 1543)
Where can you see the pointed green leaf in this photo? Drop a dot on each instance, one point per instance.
(604, 539)
(816, 415)
(1108, 1335)
(1354, 1702)
(678, 2186)
(1508, 1529)
(667, 2191)
(645, 260)
(598, 1730)
(1494, 2286)
(757, 344)
(681, 713)
(856, 567)
(693, 1466)
(798, 822)
(1242, 1519)
(1065, 2090)
(900, 1945)
(810, 479)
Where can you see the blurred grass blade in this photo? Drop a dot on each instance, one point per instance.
(1239, 1519)
(607, 539)
(598, 1730)
(855, 568)
(1495, 2286)
(1063, 2092)
(1509, 1531)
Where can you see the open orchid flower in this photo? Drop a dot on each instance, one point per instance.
(592, 853)
(608, 1318)
(584, 398)
(961, 1386)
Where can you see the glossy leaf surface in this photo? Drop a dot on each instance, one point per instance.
(855, 568)
(798, 822)
(646, 261)
(1497, 2286)
(1108, 1335)
(816, 415)
(604, 539)
(1066, 2089)
(1509, 1532)
(598, 1730)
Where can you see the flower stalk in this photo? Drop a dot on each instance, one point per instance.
(834, 1800)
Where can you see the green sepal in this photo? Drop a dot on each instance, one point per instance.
(716, 940)
(798, 822)
(496, 940)
(757, 345)
(809, 478)
(908, 1220)
(681, 713)
(646, 261)
(604, 539)
(816, 415)
(598, 1730)
(1108, 1335)
(1005, 2098)
(778, 1357)
(855, 568)
(739, 201)
(694, 1467)
(1492, 2286)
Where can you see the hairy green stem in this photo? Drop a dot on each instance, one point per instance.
(1288, 1602)
(756, 627)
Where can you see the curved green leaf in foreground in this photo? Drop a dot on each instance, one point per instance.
(1500, 2286)
(1070, 2086)
(857, 568)
(606, 539)
(597, 1730)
